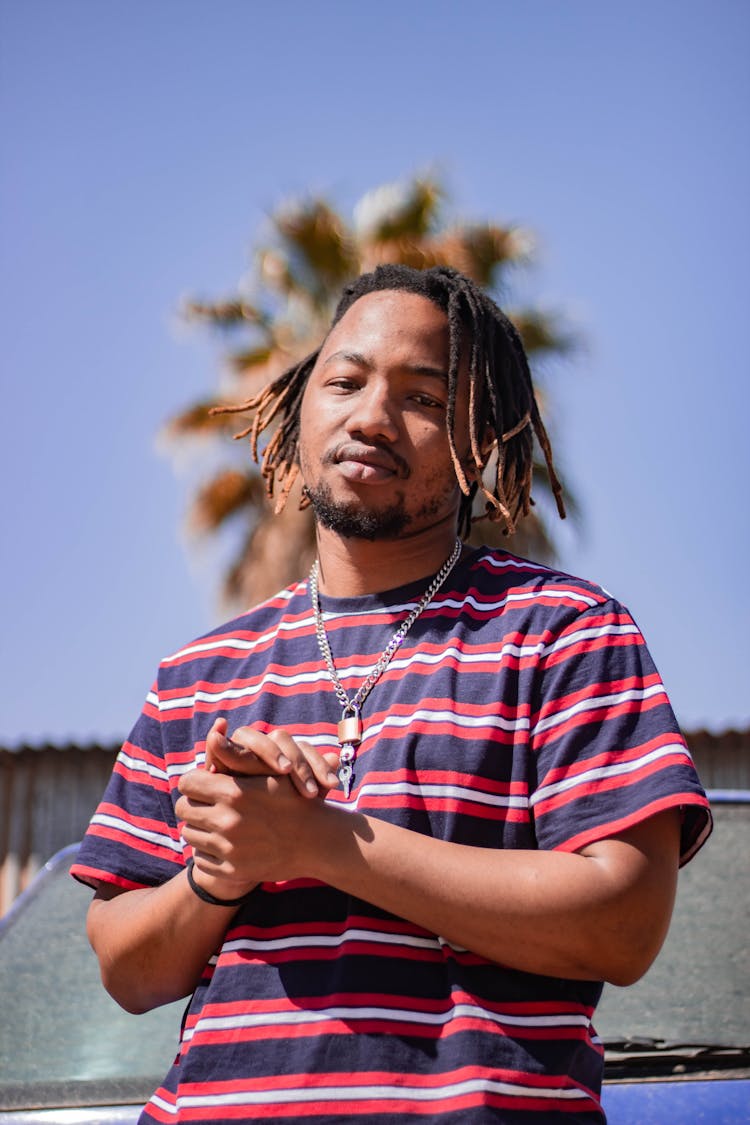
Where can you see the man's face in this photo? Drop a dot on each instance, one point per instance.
(373, 442)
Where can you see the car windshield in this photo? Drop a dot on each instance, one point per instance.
(63, 1041)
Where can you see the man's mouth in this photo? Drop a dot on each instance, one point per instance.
(368, 462)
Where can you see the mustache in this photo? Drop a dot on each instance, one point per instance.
(378, 453)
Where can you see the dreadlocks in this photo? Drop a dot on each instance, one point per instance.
(502, 404)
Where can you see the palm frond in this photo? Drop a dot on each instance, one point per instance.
(229, 492)
(242, 361)
(542, 332)
(225, 314)
(296, 279)
(196, 421)
(480, 250)
(400, 211)
(323, 249)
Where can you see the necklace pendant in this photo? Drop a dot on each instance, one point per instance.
(345, 777)
(345, 768)
(350, 729)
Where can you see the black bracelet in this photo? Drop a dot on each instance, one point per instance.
(206, 895)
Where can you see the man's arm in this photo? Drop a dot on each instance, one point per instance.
(154, 942)
(601, 913)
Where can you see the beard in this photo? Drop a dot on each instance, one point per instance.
(352, 521)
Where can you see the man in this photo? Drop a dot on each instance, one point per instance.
(393, 828)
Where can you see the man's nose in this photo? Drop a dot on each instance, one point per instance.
(374, 413)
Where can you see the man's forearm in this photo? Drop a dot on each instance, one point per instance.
(153, 943)
(600, 914)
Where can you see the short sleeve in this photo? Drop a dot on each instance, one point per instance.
(133, 839)
(608, 752)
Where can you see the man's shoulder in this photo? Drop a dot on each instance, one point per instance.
(493, 567)
(247, 630)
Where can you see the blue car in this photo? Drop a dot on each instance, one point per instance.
(677, 1044)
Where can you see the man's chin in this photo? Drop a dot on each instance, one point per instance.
(353, 521)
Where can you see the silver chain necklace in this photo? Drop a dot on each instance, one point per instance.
(350, 726)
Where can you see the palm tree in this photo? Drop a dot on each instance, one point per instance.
(280, 315)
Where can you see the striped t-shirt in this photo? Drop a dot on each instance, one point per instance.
(522, 711)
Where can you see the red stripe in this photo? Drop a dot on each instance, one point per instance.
(611, 757)
(136, 842)
(370, 1025)
(621, 782)
(598, 715)
(145, 822)
(141, 777)
(593, 691)
(441, 804)
(336, 929)
(348, 947)
(589, 645)
(93, 876)
(615, 827)
(397, 1000)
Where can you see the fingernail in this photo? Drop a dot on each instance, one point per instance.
(283, 762)
(310, 786)
(332, 778)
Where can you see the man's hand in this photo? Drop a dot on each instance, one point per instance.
(250, 753)
(250, 816)
(244, 813)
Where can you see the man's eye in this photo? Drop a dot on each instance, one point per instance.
(342, 383)
(428, 400)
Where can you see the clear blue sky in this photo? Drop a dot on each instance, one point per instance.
(142, 143)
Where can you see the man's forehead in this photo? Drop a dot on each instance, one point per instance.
(384, 309)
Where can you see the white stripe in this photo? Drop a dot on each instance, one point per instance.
(485, 606)
(330, 941)
(594, 703)
(177, 769)
(140, 833)
(240, 645)
(521, 596)
(139, 766)
(340, 1093)
(590, 634)
(461, 656)
(600, 772)
(390, 1015)
(358, 671)
(427, 715)
(162, 1104)
(433, 789)
(249, 692)
(514, 564)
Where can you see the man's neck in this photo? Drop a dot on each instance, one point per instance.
(351, 567)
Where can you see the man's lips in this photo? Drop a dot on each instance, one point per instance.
(368, 462)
